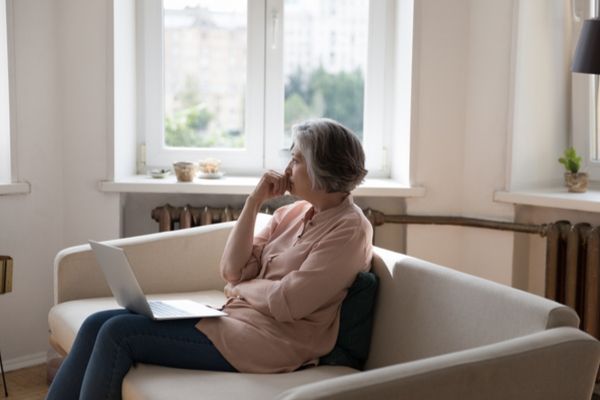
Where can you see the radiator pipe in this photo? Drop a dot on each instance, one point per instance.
(378, 218)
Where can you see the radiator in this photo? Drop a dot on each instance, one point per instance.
(572, 269)
(170, 218)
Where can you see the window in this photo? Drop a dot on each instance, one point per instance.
(228, 78)
(205, 51)
(324, 62)
(5, 153)
(586, 105)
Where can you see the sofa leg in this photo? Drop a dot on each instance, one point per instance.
(53, 363)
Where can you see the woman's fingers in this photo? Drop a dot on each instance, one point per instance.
(271, 184)
(279, 185)
(283, 184)
(230, 290)
(275, 182)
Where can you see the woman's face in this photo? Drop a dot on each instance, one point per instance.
(298, 175)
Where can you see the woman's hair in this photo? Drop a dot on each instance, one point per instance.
(334, 156)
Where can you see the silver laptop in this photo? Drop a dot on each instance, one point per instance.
(126, 289)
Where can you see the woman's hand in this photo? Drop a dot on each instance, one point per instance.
(255, 292)
(231, 291)
(271, 184)
(238, 249)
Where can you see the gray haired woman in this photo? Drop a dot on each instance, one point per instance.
(284, 286)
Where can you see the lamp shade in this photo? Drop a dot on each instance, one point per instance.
(587, 54)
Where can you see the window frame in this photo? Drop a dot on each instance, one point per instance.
(151, 81)
(7, 139)
(265, 58)
(584, 106)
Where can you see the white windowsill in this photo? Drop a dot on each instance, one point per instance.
(15, 188)
(242, 185)
(555, 197)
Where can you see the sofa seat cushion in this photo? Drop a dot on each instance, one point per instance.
(150, 382)
(66, 318)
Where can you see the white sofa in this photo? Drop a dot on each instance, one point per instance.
(437, 333)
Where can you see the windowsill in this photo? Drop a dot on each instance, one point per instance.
(242, 185)
(555, 197)
(15, 188)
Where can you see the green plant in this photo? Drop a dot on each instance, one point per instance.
(571, 160)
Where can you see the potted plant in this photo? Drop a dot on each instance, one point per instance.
(576, 181)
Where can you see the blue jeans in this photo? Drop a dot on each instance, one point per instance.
(110, 342)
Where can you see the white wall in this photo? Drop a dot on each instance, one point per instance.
(61, 103)
(86, 101)
(32, 225)
(463, 58)
(540, 117)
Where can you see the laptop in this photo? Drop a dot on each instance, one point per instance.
(126, 289)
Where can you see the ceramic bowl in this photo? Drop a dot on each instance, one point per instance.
(184, 171)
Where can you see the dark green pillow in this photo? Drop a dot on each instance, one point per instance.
(356, 323)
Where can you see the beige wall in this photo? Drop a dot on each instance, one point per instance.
(60, 83)
(463, 58)
(32, 225)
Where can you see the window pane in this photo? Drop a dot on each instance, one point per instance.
(205, 45)
(325, 58)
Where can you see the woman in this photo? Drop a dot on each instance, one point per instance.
(284, 286)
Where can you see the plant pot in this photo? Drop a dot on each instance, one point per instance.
(576, 182)
(185, 171)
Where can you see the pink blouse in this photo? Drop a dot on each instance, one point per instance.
(309, 261)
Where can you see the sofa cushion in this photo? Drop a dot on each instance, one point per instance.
(151, 382)
(65, 319)
(356, 322)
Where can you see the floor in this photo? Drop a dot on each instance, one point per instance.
(26, 384)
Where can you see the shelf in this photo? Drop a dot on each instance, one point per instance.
(15, 188)
(555, 197)
(242, 185)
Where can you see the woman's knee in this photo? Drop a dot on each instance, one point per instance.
(94, 322)
(118, 328)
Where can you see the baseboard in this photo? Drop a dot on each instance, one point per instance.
(25, 361)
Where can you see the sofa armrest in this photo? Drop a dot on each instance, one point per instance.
(185, 260)
(444, 311)
(176, 261)
(559, 363)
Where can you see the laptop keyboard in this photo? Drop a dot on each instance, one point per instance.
(160, 309)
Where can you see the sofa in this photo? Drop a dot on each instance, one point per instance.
(437, 333)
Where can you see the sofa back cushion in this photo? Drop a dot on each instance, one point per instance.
(356, 322)
(424, 310)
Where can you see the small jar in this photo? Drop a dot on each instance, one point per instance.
(185, 171)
